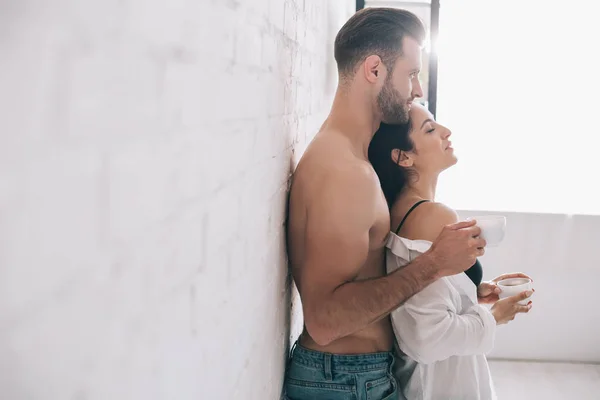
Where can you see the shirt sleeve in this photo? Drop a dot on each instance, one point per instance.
(430, 327)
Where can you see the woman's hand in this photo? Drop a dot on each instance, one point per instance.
(505, 310)
(487, 292)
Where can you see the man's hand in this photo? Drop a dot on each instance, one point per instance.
(457, 247)
(487, 292)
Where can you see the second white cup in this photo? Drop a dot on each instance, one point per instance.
(493, 228)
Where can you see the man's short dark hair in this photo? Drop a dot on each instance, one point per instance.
(375, 31)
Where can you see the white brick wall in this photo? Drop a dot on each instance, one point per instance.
(145, 151)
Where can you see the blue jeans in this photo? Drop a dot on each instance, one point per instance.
(322, 376)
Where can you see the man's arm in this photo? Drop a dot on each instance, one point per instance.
(337, 246)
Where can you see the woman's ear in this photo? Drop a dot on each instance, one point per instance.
(402, 158)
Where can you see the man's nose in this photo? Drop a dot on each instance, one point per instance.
(417, 90)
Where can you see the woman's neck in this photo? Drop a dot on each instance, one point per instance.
(424, 186)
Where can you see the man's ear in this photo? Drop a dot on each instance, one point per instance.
(402, 158)
(373, 68)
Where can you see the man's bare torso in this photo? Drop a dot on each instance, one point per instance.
(331, 150)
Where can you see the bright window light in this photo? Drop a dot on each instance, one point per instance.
(518, 86)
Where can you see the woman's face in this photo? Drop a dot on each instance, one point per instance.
(432, 152)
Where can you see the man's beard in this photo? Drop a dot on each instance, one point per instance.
(394, 108)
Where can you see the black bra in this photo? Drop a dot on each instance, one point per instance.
(475, 273)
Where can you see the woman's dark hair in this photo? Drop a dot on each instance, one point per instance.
(392, 176)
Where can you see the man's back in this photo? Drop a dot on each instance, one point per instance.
(332, 188)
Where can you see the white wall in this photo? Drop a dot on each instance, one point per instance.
(560, 252)
(145, 151)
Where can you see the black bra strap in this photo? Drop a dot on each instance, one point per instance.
(418, 203)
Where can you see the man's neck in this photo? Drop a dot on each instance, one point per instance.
(353, 116)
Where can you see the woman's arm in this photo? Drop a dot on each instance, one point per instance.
(429, 326)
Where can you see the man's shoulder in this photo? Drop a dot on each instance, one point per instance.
(349, 174)
(330, 161)
(337, 176)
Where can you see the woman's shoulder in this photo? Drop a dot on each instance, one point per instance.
(427, 221)
(439, 211)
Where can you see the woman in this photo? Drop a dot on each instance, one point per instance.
(443, 332)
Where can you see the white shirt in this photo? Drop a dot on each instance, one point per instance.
(443, 334)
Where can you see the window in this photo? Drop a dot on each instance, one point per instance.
(518, 85)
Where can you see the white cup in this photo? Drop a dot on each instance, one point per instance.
(493, 228)
(513, 286)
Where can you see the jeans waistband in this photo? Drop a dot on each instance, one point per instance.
(342, 362)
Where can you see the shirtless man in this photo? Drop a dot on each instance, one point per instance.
(339, 220)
